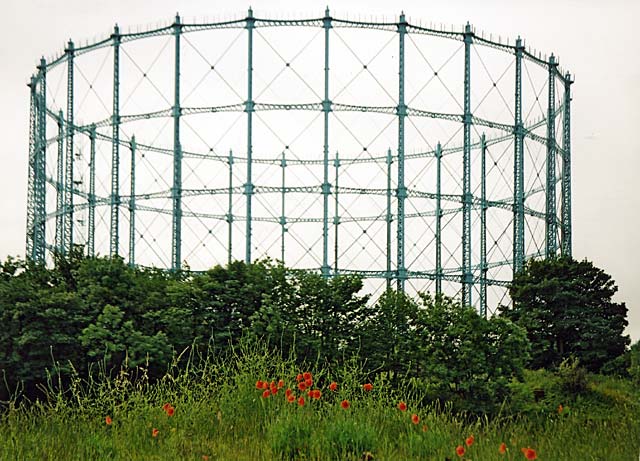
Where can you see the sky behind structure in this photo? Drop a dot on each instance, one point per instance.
(594, 42)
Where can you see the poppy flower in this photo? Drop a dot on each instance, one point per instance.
(308, 382)
(291, 398)
(367, 387)
(529, 453)
(258, 386)
(299, 377)
(560, 408)
(288, 392)
(108, 421)
(273, 385)
(345, 404)
(469, 440)
(333, 386)
(306, 375)
(155, 432)
(460, 451)
(302, 386)
(265, 385)
(503, 448)
(315, 394)
(170, 411)
(415, 419)
(301, 401)
(402, 406)
(266, 394)
(166, 406)
(280, 384)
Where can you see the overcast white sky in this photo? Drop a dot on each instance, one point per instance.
(597, 43)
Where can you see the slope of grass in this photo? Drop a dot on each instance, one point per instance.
(219, 414)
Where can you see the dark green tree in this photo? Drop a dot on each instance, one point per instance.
(567, 309)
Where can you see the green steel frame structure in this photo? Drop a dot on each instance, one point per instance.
(469, 271)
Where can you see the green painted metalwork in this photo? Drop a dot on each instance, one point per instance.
(114, 241)
(336, 216)
(566, 168)
(132, 205)
(402, 190)
(326, 186)
(389, 219)
(68, 181)
(483, 226)
(248, 187)
(60, 211)
(551, 227)
(467, 277)
(283, 217)
(230, 210)
(91, 234)
(518, 168)
(438, 220)
(33, 148)
(39, 205)
(176, 191)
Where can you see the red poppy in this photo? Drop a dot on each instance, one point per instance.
(288, 392)
(308, 382)
(108, 421)
(367, 387)
(560, 408)
(266, 394)
(170, 411)
(166, 406)
(291, 398)
(265, 385)
(302, 386)
(460, 451)
(306, 375)
(274, 390)
(280, 384)
(503, 448)
(154, 432)
(273, 385)
(315, 394)
(402, 406)
(299, 377)
(345, 404)
(333, 386)
(415, 419)
(258, 386)
(301, 401)
(469, 440)
(529, 453)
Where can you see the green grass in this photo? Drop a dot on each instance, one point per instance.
(219, 413)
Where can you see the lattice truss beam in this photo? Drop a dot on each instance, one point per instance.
(437, 160)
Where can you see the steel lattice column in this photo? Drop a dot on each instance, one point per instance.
(518, 168)
(467, 279)
(336, 216)
(566, 168)
(115, 148)
(60, 215)
(402, 190)
(551, 222)
(68, 173)
(132, 206)
(438, 221)
(483, 226)
(389, 219)
(248, 187)
(230, 209)
(283, 218)
(326, 186)
(91, 237)
(33, 148)
(176, 191)
(39, 205)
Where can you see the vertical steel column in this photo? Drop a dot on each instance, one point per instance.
(248, 187)
(283, 218)
(402, 190)
(551, 223)
(388, 273)
(483, 227)
(91, 238)
(176, 190)
(60, 211)
(68, 190)
(31, 174)
(326, 186)
(39, 205)
(230, 209)
(438, 221)
(467, 278)
(566, 168)
(336, 217)
(132, 205)
(115, 148)
(518, 168)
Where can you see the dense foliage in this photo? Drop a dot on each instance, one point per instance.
(567, 309)
(88, 311)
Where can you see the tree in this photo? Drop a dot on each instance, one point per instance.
(567, 309)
